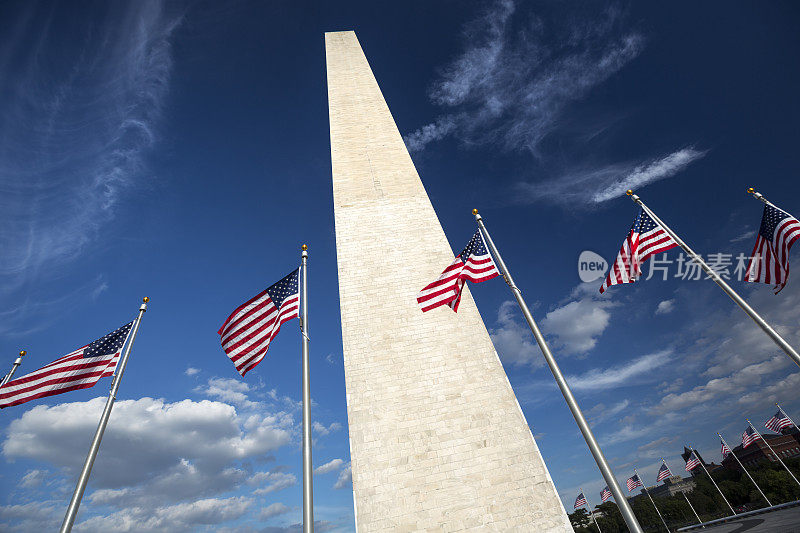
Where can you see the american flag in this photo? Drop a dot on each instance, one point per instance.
(778, 422)
(474, 264)
(725, 450)
(580, 500)
(769, 261)
(646, 238)
(77, 370)
(634, 482)
(749, 437)
(692, 463)
(247, 332)
(663, 472)
(606, 494)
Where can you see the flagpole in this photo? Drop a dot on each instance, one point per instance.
(591, 515)
(74, 504)
(778, 457)
(308, 489)
(744, 469)
(14, 367)
(594, 447)
(692, 508)
(791, 352)
(711, 478)
(644, 486)
(776, 403)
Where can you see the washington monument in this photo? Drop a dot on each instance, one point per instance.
(437, 439)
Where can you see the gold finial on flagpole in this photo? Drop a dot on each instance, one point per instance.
(304, 247)
(22, 353)
(474, 211)
(146, 299)
(750, 190)
(629, 192)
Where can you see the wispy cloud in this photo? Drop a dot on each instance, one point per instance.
(78, 118)
(597, 379)
(519, 71)
(596, 185)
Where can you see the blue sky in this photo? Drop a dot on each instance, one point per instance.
(180, 151)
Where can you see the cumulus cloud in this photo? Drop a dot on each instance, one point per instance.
(192, 371)
(345, 478)
(272, 481)
(519, 71)
(512, 339)
(156, 456)
(230, 390)
(321, 430)
(619, 376)
(576, 325)
(271, 510)
(330, 466)
(665, 307)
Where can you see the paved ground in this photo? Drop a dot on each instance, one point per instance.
(783, 521)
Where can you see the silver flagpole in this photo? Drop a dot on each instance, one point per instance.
(711, 478)
(591, 514)
(308, 489)
(594, 447)
(75, 503)
(692, 508)
(644, 486)
(776, 403)
(778, 457)
(14, 367)
(791, 352)
(745, 470)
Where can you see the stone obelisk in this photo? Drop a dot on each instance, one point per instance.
(437, 439)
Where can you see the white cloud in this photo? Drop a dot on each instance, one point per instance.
(645, 174)
(271, 510)
(513, 340)
(330, 466)
(32, 479)
(596, 379)
(511, 85)
(746, 236)
(192, 371)
(275, 481)
(178, 518)
(321, 430)
(330, 359)
(599, 184)
(576, 325)
(86, 125)
(665, 307)
(228, 390)
(345, 477)
(152, 450)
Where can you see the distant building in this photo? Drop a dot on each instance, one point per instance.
(785, 445)
(672, 486)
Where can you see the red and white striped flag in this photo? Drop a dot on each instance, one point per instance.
(606, 494)
(474, 264)
(749, 437)
(580, 500)
(725, 450)
(646, 238)
(663, 472)
(77, 370)
(692, 463)
(247, 332)
(769, 261)
(633, 482)
(778, 422)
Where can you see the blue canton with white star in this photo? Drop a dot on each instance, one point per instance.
(475, 246)
(284, 288)
(111, 343)
(644, 223)
(772, 217)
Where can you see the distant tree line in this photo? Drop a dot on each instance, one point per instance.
(776, 483)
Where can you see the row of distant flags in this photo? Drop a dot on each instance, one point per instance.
(246, 334)
(777, 423)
